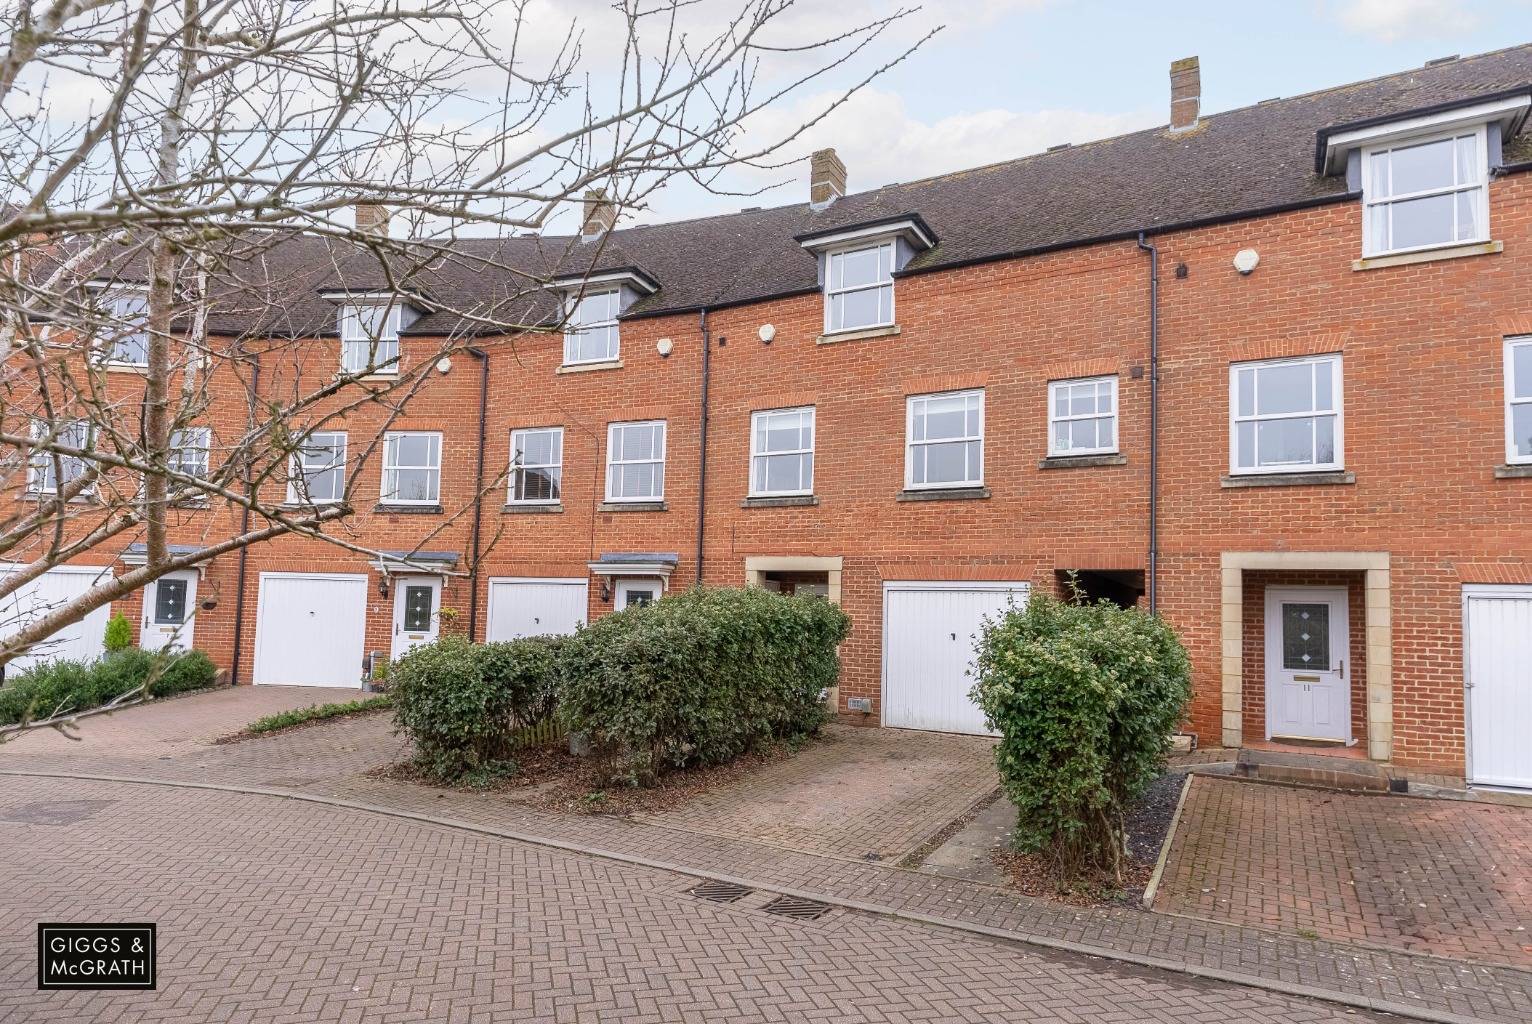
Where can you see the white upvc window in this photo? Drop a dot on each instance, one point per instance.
(537, 465)
(1424, 193)
(369, 337)
(318, 472)
(1518, 400)
(1285, 415)
(127, 328)
(412, 468)
(859, 288)
(43, 470)
(782, 452)
(590, 331)
(1082, 417)
(635, 461)
(944, 440)
(189, 450)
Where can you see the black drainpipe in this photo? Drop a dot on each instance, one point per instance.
(1154, 417)
(244, 527)
(707, 352)
(478, 495)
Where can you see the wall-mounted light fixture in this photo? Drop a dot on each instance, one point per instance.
(383, 584)
(606, 588)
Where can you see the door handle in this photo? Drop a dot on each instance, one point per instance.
(1343, 668)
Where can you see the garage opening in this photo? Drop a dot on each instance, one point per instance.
(1122, 587)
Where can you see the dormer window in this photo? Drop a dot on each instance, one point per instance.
(128, 332)
(369, 337)
(590, 331)
(856, 270)
(859, 288)
(1425, 193)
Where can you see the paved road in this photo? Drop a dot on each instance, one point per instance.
(280, 911)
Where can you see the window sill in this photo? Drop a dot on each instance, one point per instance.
(859, 334)
(409, 510)
(1072, 461)
(780, 501)
(632, 506)
(1325, 478)
(78, 499)
(1513, 472)
(1446, 252)
(532, 508)
(605, 364)
(133, 368)
(945, 494)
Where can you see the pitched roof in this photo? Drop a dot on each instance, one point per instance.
(1236, 163)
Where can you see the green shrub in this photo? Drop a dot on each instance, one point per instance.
(119, 634)
(1085, 698)
(460, 703)
(699, 677)
(316, 713)
(65, 686)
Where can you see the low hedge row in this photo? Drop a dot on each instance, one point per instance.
(67, 686)
(696, 678)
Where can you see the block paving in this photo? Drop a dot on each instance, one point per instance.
(325, 764)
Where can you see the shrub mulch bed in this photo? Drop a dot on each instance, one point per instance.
(550, 777)
(1147, 825)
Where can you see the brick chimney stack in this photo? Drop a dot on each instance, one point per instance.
(600, 215)
(827, 178)
(372, 219)
(1185, 95)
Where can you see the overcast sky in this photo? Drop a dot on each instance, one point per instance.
(1010, 77)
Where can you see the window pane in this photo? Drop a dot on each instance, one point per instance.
(946, 463)
(1324, 440)
(1287, 388)
(170, 602)
(886, 304)
(946, 417)
(858, 309)
(1324, 391)
(1468, 214)
(1246, 380)
(1426, 221)
(414, 449)
(1245, 447)
(1521, 428)
(1468, 165)
(783, 472)
(1306, 637)
(1422, 167)
(417, 608)
(537, 484)
(1061, 401)
(1285, 442)
(414, 485)
(860, 268)
(1521, 371)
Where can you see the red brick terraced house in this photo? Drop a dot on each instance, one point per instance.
(1267, 373)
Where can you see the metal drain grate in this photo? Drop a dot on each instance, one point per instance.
(798, 909)
(721, 892)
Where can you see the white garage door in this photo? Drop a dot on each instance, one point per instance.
(929, 633)
(1497, 638)
(310, 629)
(532, 607)
(83, 641)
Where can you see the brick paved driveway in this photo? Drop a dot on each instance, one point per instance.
(274, 910)
(1434, 876)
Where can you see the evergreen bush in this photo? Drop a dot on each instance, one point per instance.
(1085, 698)
(70, 686)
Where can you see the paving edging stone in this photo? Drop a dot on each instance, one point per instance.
(1039, 940)
(1153, 888)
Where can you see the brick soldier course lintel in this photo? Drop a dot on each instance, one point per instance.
(1379, 635)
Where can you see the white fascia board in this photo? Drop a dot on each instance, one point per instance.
(1509, 112)
(909, 229)
(660, 569)
(592, 282)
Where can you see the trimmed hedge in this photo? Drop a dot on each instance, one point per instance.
(699, 677)
(66, 686)
(1085, 697)
(460, 703)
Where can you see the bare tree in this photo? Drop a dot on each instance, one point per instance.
(180, 175)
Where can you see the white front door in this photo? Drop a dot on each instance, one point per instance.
(930, 633)
(1308, 637)
(417, 600)
(1497, 662)
(168, 605)
(638, 590)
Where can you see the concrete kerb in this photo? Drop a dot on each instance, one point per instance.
(1040, 941)
(1170, 837)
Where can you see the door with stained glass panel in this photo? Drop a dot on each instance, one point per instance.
(417, 604)
(1308, 690)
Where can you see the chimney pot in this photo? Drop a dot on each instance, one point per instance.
(372, 219)
(1185, 95)
(827, 178)
(600, 215)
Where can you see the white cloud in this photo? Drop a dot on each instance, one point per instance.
(1393, 21)
(881, 143)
